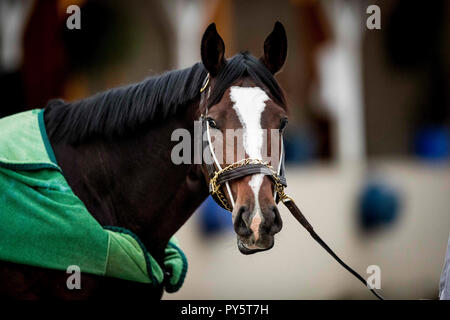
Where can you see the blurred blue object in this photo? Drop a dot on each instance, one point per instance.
(213, 218)
(432, 143)
(379, 205)
(299, 145)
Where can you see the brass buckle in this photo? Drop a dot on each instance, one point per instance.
(213, 187)
(205, 85)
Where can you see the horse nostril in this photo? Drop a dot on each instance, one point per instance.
(277, 222)
(240, 226)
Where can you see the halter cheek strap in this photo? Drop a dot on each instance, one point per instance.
(207, 145)
(211, 150)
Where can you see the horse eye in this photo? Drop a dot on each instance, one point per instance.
(283, 123)
(212, 123)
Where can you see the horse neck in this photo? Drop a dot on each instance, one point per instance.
(133, 183)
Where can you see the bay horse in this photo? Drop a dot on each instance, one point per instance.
(114, 149)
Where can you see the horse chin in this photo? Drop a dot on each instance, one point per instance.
(245, 250)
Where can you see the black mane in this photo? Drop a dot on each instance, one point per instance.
(119, 111)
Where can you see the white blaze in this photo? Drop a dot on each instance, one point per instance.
(249, 104)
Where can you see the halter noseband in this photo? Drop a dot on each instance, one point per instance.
(221, 176)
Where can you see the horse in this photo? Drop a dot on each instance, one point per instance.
(115, 152)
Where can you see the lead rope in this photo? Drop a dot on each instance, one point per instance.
(290, 204)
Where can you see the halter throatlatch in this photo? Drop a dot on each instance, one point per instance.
(219, 178)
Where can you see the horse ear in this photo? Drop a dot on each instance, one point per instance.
(212, 50)
(275, 48)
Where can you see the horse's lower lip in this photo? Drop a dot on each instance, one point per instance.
(244, 250)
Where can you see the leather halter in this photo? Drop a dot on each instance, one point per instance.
(219, 178)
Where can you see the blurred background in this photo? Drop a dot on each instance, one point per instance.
(367, 148)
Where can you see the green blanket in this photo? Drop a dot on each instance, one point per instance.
(43, 223)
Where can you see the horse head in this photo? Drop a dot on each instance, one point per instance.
(245, 115)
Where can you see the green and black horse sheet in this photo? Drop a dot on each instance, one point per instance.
(44, 224)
